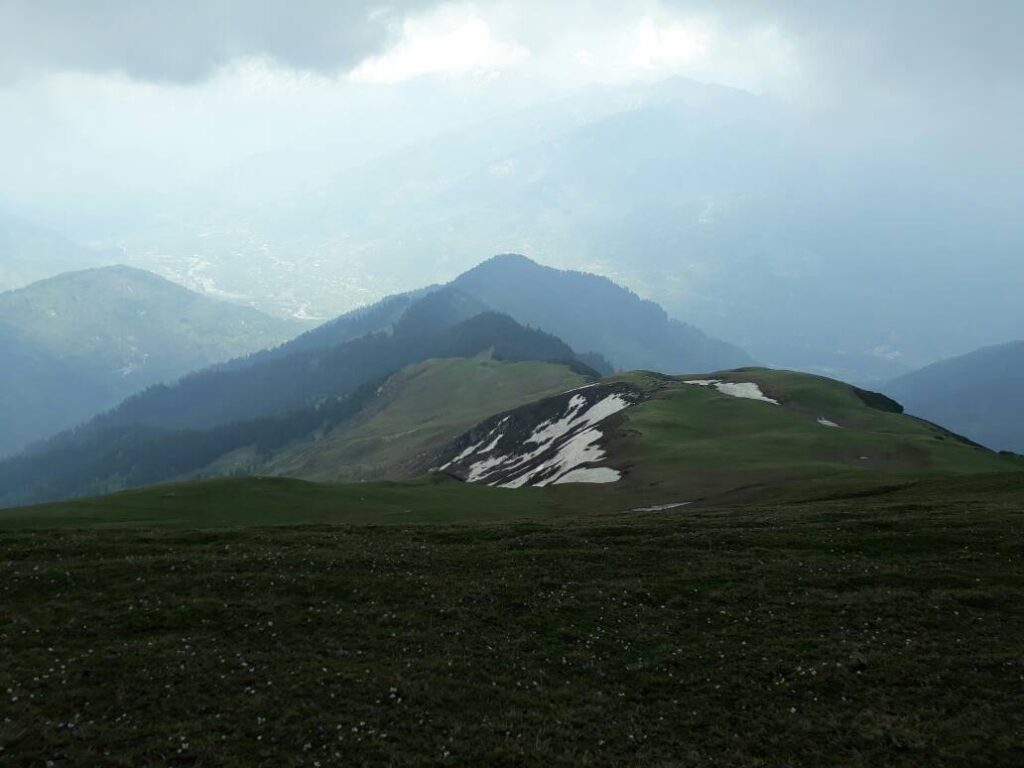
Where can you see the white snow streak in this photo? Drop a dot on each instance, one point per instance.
(747, 390)
(661, 507)
(580, 449)
(549, 431)
(589, 475)
(464, 454)
(475, 448)
(493, 444)
(826, 423)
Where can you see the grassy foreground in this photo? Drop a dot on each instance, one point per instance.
(248, 501)
(887, 630)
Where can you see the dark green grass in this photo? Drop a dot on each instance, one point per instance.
(887, 630)
(283, 501)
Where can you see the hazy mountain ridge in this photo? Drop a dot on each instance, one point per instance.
(29, 253)
(379, 317)
(979, 394)
(593, 313)
(86, 340)
(444, 324)
(608, 324)
(605, 319)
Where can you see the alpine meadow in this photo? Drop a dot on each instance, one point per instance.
(435, 383)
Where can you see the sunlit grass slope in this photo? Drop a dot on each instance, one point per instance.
(417, 410)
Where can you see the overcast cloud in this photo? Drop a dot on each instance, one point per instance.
(189, 40)
(151, 93)
(940, 45)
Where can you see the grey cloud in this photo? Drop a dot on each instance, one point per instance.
(187, 40)
(922, 47)
(928, 45)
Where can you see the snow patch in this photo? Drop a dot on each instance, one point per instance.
(827, 423)
(570, 443)
(747, 390)
(661, 507)
(589, 475)
(580, 449)
(493, 444)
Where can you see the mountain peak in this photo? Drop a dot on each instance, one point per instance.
(122, 270)
(100, 275)
(592, 313)
(511, 260)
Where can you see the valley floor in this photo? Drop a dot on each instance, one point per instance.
(886, 630)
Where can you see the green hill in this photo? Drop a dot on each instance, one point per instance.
(654, 439)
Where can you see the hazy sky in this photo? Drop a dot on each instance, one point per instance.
(142, 92)
(126, 122)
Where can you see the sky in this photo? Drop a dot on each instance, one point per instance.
(160, 92)
(113, 112)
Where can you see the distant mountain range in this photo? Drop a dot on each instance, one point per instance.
(509, 309)
(476, 379)
(79, 343)
(980, 395)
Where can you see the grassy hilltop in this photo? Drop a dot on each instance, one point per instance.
(695, 441)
